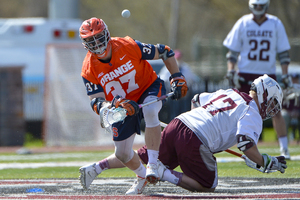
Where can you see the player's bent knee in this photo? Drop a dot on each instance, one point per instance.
(124, 156)
(151, 111)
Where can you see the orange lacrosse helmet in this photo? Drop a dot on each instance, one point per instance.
(95, 36)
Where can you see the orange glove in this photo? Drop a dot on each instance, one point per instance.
(178, 85)
(131, 106)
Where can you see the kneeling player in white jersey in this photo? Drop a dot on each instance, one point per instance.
(218, 121)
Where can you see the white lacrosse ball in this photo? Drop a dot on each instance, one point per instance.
(125, 13)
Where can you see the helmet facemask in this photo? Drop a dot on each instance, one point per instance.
(97, 43)
(273, 108)
(269, 108)
(269, 95)
(95, 37)
(259, 7)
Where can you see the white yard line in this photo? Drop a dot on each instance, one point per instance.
(39, 165)
(79, 164)
(48, 156)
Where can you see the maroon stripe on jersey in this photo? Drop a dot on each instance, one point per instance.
(245, 96)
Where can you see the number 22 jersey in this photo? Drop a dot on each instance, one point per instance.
(257, 44)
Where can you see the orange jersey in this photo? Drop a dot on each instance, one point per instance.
(126, 74)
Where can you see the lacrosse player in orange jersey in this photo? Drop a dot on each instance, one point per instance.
(116, 73)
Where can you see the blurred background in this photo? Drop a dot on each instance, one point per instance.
(42, 95)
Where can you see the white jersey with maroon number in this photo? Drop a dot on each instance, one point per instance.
(258, 45)
(223, 115)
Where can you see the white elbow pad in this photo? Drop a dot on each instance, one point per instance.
(244, 142)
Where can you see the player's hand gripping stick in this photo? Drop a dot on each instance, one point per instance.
(272, 164)
(114, 115)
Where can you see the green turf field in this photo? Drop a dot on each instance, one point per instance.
(226, 169)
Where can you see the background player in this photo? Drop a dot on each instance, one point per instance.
(218, 121)
(116, 73)
(254, 42)
(291, 108)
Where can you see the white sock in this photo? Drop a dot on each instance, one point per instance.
(283, 142)
(140, 171)
(152, 156)
(172, 176)
(102, 165)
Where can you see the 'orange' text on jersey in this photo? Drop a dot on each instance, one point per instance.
(126, 74)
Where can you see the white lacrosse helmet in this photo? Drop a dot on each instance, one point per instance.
(269, 95)
(253, 6)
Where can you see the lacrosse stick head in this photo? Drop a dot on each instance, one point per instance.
(111, 116)
(103, 119)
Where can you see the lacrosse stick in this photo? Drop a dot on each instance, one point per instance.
(162, 124)
(114, 115)
(234, 153)
(249, 162)
(110, 116)
(156, 100)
